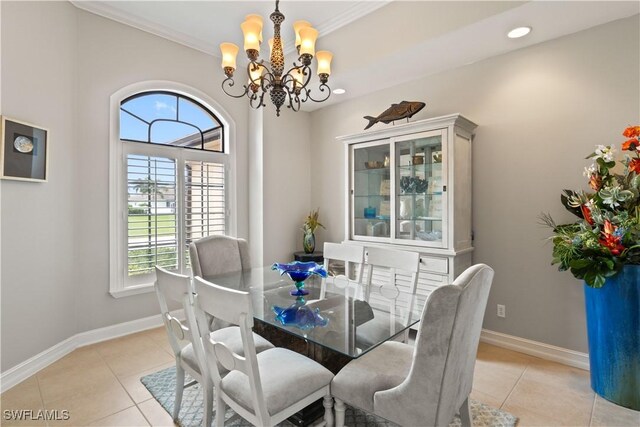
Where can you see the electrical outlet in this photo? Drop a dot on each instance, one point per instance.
(502, 310)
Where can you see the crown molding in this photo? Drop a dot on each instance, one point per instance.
(355, 12)
(104, 9)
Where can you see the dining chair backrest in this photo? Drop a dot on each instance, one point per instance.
(173, 287)
(347, 254)
(232, 306)
(393, 262)
(215, 255)
(441, 374)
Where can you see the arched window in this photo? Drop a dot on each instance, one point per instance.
(167, 118)
(170, 170)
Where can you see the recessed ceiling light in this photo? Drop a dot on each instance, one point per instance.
(519, 32)
(339, 91)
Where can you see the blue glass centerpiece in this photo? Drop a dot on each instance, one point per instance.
(299, 315)
(299, 272)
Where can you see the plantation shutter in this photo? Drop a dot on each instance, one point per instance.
(152, 221)
(204, 202)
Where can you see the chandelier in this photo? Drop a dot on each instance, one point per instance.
(291, 87)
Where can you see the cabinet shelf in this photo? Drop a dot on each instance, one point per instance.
(421, 218)
(376, 171)
(421, 167)
(436, 193)
(373, 195)
(377, 218)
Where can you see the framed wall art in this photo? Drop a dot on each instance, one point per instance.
(23, 151)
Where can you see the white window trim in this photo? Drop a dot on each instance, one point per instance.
(117, 165)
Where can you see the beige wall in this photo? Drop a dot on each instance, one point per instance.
(39, 264)
(287, 175)
(55, 236)
(110, 57)
(540, 111)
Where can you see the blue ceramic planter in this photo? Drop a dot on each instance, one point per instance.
(613, 326)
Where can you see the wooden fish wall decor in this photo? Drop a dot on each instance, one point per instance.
(405, 109)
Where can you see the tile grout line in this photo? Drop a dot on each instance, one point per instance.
(46, 422)
(136, 404)
(514, 386)
(123, 387)
(593, 409)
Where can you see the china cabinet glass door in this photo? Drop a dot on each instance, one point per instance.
(371, 191)
(420, 189)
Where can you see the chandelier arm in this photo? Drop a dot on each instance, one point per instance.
(262, 104)
(295, 107)
(286, 79)
(230, 83)
(267, 79)
(306, 71)
(322, 88)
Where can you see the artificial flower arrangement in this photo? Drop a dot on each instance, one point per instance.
(607, 235)
(311, 223)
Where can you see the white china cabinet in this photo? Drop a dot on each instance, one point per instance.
(409, 187)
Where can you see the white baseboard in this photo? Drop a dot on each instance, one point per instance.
(536, 348)
(33, 365)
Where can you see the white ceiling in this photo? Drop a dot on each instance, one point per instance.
(375, 43)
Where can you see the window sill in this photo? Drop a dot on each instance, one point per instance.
(133, 290)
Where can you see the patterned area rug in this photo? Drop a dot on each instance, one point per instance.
(162, 386)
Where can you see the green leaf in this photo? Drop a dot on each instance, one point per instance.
(579, 264)
(599, 281)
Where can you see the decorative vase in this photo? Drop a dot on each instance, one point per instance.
(299, 272)
(613, 325)
(309, 243)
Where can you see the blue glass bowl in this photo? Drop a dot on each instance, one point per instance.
(299, 272)
(300, 316)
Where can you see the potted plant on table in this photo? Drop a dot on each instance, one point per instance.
(603, 248)
(309, 228)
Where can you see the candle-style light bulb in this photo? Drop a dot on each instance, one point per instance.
(308, 36)
(324, 58)
(258, 19)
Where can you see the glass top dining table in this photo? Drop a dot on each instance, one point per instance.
(349, 319)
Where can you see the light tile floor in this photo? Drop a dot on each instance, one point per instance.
(100, 386)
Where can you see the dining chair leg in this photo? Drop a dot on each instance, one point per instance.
(179, 389)
(328, 412)
(340, 409)
(221, 409)
(208, 405)
(465, 414)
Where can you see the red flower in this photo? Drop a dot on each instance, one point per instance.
(586, 214)
(630, 144)
(632, 132)
(611, 242)
(634, 166)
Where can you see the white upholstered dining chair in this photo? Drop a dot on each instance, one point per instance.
(263, 388)
(215, 255)
(185, 339)
(177, 288)
(387, 272)
(428, 384)
(347, 255)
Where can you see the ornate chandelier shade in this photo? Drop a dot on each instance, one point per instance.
(290, 87)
